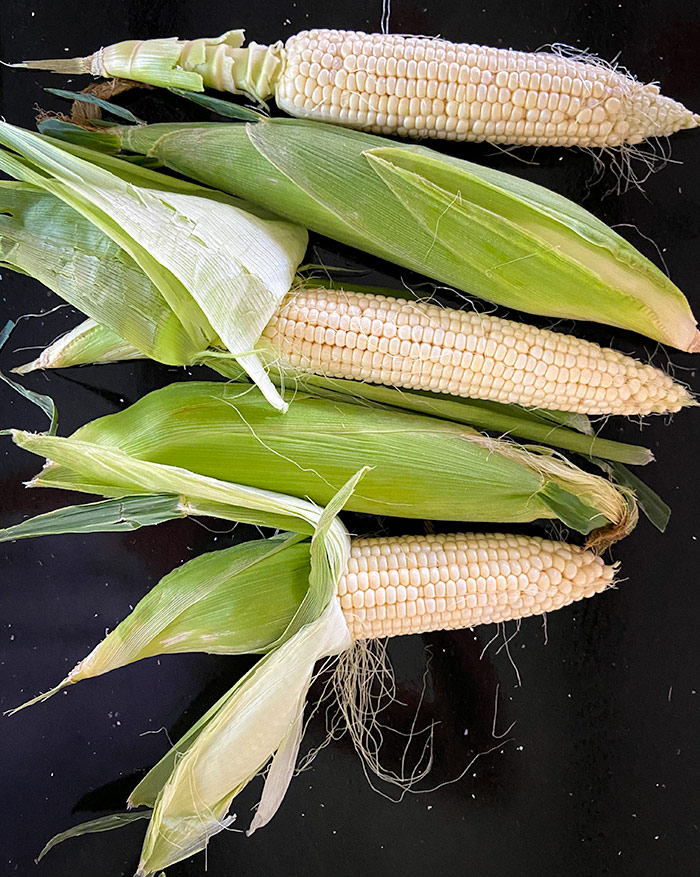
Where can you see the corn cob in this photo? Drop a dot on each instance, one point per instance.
(414, 345)
(410, 86)
(417, 584)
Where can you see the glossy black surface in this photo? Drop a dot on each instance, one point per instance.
(598, 773)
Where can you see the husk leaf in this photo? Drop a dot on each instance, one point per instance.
(223, 270)
(259, 717)
(421, 466)
(239, 600)
(508, 240)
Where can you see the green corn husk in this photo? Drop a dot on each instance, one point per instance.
(421, 467)
(202, 269)
(236, 601)
(482, 231)
(89, 343)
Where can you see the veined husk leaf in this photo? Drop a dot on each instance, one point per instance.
(108, 516)
(480, 230)
(261, 715)
(104, 823)
(222, 269)
(420, 466)
(239, 600)
(89, 343)
(226, 754)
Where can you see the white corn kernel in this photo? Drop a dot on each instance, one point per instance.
(339, 333)
(459, 598)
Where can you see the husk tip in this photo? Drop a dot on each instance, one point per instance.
(25, 369)
(602, 538)
(694, 346)
(74, 66)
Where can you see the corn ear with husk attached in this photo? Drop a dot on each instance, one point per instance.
(90, 343)
(212, 270)
(488, 233)
(412, 86)
(41, 236)
(272, 597)
(421, 467)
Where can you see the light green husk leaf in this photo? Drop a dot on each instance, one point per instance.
(240, 600)
(46, 238)
(561, 429)
(89, 343)
(104, 823)
(421, 467)
(42, 401)
(261, 715)
(215, 62)
(658, 512)
(222, 269)
(488, 233)
(87, 98)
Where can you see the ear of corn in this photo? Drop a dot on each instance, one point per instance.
(334, 332)
(247, 598)
(222, 269)
(421, 466)
(422, 583)
(507, 240)
(241, 600)
(415, 345)
(411, 86)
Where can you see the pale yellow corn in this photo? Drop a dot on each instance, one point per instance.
(416, 584)
(414, 345)
(420, 87)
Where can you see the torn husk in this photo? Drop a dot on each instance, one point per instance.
(218, 275)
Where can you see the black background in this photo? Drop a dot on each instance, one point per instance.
(598, 774)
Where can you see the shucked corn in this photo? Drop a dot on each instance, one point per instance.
(414, 345)
(406, 85)
(419, 87)
(416, 584)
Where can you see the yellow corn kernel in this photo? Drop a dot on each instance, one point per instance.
(416, 584)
